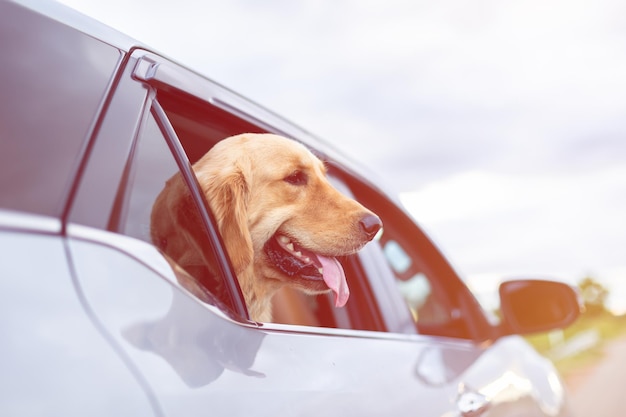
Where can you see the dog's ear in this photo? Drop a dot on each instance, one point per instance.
(228, 198)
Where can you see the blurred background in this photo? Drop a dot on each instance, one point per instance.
(501, 125)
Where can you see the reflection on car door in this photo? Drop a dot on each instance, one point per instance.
(197, 359)
(53, 357)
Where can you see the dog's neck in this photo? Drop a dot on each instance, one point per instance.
(258, 292)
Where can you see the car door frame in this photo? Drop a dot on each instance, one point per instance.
(142, 74)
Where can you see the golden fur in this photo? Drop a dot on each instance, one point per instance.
(263, 188)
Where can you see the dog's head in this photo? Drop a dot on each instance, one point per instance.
(279, 215)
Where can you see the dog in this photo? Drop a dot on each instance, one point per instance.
(281, 221)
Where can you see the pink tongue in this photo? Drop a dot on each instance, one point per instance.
(335, 278)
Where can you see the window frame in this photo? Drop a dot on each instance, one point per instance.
(380, 307)
(365, 315)
(146, 69)
(172, 85)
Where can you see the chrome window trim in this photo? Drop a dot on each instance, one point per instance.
(27, 222)
(441, 341)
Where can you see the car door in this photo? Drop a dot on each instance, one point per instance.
(197, 351)
(53, 359)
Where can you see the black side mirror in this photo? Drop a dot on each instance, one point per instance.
(532, 306)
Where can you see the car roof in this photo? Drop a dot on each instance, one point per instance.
(81, 22)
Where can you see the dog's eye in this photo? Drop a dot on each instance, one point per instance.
(296, 178)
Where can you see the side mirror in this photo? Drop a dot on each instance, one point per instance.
(533, 306)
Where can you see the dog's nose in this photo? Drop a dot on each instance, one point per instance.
(370, 225)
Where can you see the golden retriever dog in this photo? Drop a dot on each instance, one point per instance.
(281, 221)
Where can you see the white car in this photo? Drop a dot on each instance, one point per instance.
(94, 321)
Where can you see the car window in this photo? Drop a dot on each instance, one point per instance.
(153, 167)
(156, 159)
(390, 258)
(198, 126)
(428, 307)
(439, 302)
(432, 301)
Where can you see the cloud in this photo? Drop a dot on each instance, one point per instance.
(544, 224)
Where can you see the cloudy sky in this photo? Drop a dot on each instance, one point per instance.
(501, 124)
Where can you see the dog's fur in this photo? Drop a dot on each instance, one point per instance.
(259, 187)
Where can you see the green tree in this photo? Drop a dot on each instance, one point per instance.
(594, 295)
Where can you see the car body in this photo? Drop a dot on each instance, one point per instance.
(94, 319)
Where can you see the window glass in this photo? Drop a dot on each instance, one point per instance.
(436, 298)
(397, 257)
(153, 166)
(427, 309)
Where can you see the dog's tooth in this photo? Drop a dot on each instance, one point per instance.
(298, 254)
(321, 270)
(289, 246)
(284, 239)
(306, 259)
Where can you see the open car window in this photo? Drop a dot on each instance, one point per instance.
(197, 127)
(393, 283)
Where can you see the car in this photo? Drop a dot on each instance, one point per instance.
(95, 320)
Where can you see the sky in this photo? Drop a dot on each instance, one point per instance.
(501, 125)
